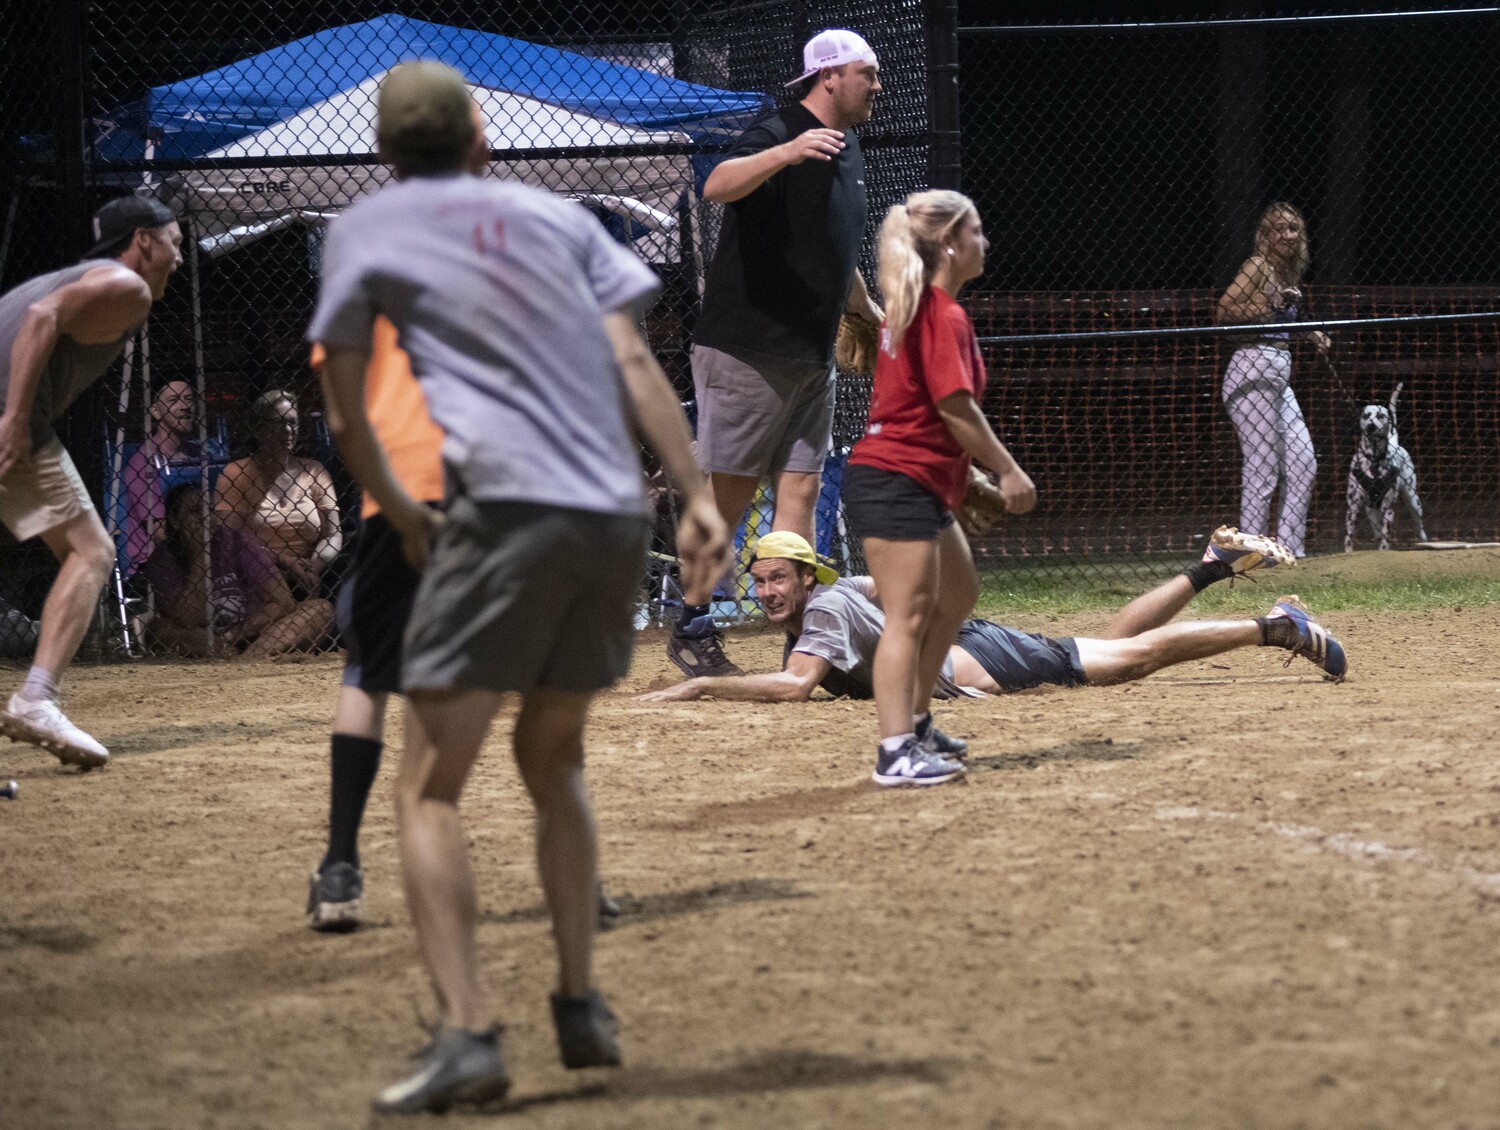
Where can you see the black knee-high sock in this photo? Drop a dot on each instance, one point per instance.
(355, 762)
(1205, 573)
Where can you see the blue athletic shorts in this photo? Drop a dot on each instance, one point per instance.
(1018, 661)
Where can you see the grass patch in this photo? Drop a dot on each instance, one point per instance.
(1366, 582)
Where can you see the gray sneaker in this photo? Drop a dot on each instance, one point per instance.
(914, 765)
(935, 741)
(333, 896)
(698, 649)
(587, 1032)
(458, 1066)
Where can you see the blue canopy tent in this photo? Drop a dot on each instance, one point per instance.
(306, 109)
(286, 137)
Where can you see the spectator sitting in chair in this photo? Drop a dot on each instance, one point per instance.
(834, 625)
(171, 454)
(253, 611)
(288, 502)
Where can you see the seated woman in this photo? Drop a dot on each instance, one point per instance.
(286, 501)
(248, 603)
(170, 454)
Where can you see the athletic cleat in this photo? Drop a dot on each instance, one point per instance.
(698, 649)
(333, 898)
(41, 722)
(914, 765)
(933, 740)
(587, 1033)
(458, 1066)
(1315, 642)
(1245, 553)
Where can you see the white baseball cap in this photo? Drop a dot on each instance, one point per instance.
(833, 48)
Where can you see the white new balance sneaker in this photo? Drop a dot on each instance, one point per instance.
(41, 722)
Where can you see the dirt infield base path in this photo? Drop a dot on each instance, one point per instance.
(1231, 895)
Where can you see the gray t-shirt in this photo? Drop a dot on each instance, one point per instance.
(71, 368)
(498, 293)
(842, 625)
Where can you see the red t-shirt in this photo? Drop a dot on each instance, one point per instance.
(905, 432)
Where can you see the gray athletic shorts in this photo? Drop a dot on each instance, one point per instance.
(763, 418)
(1018, 661)
(518, 596)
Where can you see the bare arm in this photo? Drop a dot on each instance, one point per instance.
(738, 177)
(102, 306)
(331, 534)
(702, 537)
(796, 683)
(343, 380)
(967, 425)
(1246, 300)
(860, 302)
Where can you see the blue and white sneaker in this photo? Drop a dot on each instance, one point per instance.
(914, 765)
(933, 740)
(1315, 642)
(1245, 553)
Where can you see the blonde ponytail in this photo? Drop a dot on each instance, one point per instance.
(902, 273)
(911, 241)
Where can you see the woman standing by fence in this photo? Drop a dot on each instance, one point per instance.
(1274, 441)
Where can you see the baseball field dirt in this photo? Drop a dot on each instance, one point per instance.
(1232, 895)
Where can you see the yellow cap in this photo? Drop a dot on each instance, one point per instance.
(794, 547)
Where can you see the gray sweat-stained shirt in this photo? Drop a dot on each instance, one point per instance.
(842, 625)
(498, 292)
(71, 368)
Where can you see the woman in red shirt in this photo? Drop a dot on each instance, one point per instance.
(907, 474)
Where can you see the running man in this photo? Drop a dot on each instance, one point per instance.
(833, 626)
(518, 312)
(59, 333)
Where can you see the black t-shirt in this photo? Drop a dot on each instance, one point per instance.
(787, 252)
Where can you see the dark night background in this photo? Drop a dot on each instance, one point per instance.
(1119, 174)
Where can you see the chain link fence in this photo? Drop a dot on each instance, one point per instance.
(1121, 172)
(213, 468)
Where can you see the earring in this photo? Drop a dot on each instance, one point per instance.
(950, 251)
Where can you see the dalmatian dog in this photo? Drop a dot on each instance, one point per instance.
(1380, 470)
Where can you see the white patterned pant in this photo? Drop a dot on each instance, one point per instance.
(1274, 443)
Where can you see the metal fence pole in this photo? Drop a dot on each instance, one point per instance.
(941, 18)
(71, 112)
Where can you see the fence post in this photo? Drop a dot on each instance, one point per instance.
(943, 149)
(68, 29)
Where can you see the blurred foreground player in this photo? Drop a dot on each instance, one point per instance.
(59, 332)
(517, 310)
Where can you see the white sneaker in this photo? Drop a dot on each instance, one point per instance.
(41, 722)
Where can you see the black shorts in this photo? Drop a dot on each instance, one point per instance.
(1018, 661)
(374, 605)
(891, 506)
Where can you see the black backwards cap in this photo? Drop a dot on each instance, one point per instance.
(120, 219)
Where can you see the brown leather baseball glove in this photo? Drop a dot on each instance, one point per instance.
(981, 503)
(857, 343)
